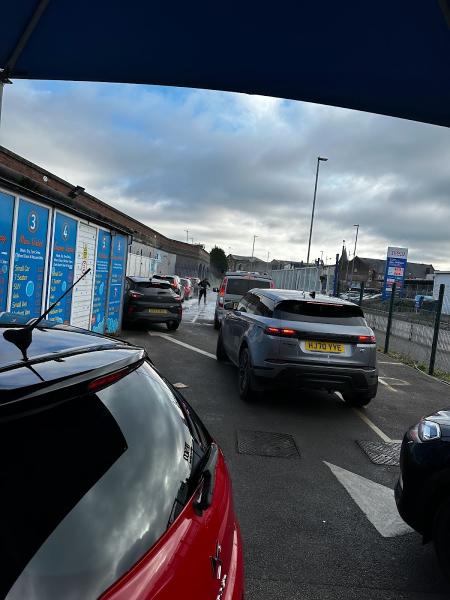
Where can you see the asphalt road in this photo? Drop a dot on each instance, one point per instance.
(320, 525)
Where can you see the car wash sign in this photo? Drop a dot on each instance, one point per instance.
(63, 267)
(6, 222)
(118, 263)
(395, 270)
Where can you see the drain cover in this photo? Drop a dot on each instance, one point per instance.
(267, 443)
(382, 453)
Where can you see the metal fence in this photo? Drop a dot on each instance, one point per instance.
(419, 331)
(308, 279)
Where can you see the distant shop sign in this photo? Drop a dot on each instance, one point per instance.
(6, 223)
(395, 270)
(29, 259)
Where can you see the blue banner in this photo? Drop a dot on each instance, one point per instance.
(101, 281)
(395, 271)
(6, 221)
(118, 258)
(29, 259)
(63, 267)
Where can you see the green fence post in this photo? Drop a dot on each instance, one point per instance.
(437, 323)
(389, 323)
(361, 293)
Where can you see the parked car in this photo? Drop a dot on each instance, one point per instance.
(112, 487)
(422, 492)
(188, 288)
(233, 287)
(174, 282)
(292, 339)
(151, 301)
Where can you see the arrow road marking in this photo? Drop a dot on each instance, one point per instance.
(375, 500)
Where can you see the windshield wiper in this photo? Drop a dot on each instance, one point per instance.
(207, 471)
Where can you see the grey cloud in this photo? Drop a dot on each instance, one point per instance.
(228, 166)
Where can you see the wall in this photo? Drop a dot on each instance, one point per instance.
(442, 277)
(176, 257)
(44, 249)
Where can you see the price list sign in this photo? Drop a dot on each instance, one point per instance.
(101, 281)
(395, 270)
(63, 265)
(119, 249)
(6, 221)
(29, 259)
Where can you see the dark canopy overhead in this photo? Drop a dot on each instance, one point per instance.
(384, 56)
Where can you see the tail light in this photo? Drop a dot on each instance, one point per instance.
(272, 285)
(367, 339)
(280, 332)
(136, 295)
(131, 309)
(223, 287)
(102, 382)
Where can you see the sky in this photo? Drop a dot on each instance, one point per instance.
(228, 166)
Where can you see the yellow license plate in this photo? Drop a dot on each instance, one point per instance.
(329, 347)
(157, 311)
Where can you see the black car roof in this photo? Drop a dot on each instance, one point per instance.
(60, 353)
(280, 295)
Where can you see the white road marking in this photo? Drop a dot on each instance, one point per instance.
(376, 501)
(395, 381)
(183, 344)
(367, 421)
(385, 383)
(195, 318)
(381, 362)
(372, 425)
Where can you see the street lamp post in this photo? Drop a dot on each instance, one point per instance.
(253, 247)
(319, 158)
(354, 254)
(187, 236)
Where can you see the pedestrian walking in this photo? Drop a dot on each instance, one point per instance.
(203, 285)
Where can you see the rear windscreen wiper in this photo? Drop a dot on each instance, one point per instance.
(207, 471)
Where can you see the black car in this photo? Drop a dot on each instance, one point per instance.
(422, 492)
(151, 301)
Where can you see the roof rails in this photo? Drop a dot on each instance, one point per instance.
(244, 273)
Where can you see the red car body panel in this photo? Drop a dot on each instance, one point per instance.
(180, 564)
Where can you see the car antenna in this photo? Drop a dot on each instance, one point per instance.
(23, 337)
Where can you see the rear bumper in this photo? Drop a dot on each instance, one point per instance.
(343, 379)
(152, 318)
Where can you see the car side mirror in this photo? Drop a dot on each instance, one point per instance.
(215, 289)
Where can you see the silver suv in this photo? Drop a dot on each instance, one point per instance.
(293, 339)
(234, 285)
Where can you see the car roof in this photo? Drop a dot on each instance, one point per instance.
(246, 274)
(280, 295)
(60, 352)
(138, 279)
